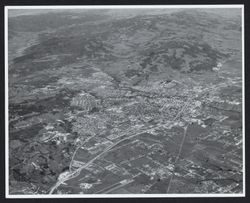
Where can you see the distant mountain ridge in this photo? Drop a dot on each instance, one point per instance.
(156, 42)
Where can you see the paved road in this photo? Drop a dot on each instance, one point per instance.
(177, 157)
(75, 173)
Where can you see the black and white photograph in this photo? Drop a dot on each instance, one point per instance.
(124, 101)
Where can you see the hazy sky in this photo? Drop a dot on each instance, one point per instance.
(225, 12)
